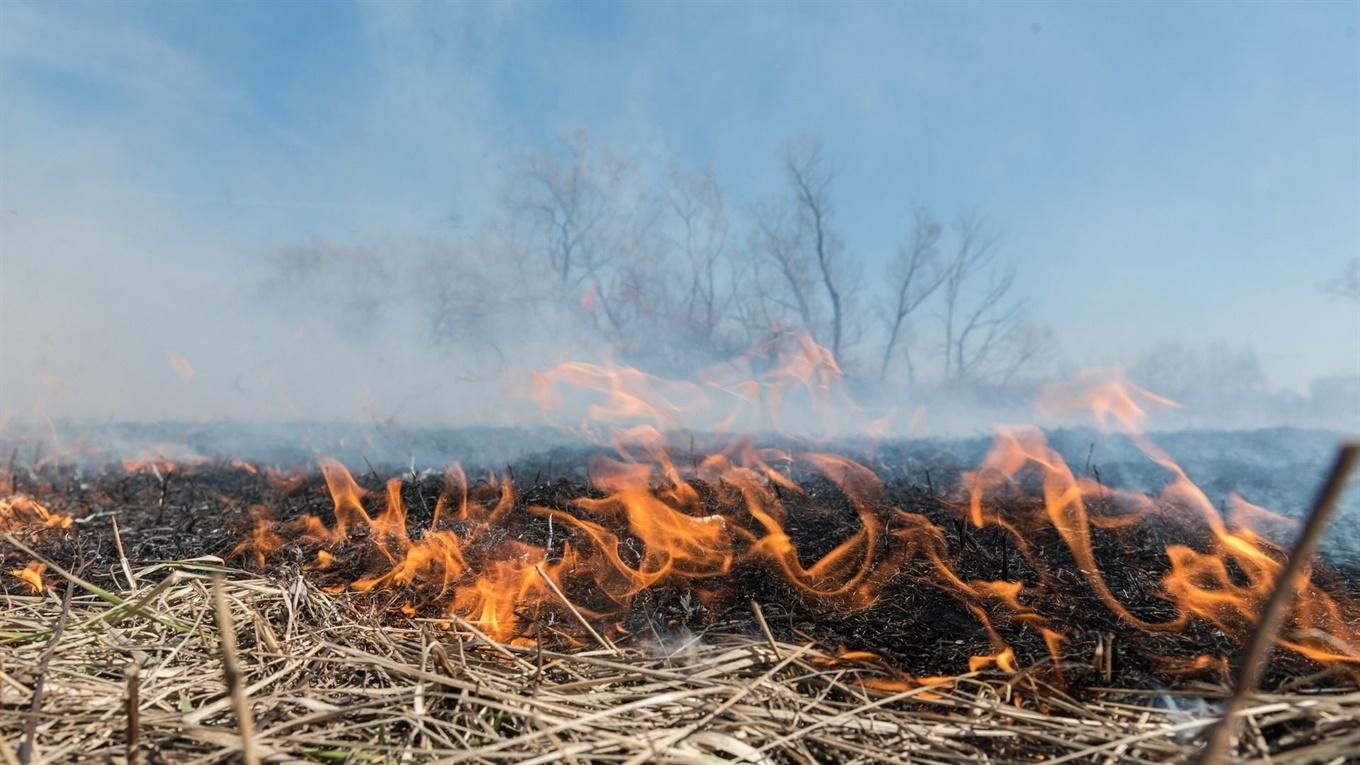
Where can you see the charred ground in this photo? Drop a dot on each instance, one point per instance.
(190, 510)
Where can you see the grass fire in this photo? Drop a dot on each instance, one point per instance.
(583, 381)
(663, 594)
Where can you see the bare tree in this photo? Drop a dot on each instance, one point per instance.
(333, 282)
(1215, 379)
(801, 271)
(987, 327)
(638, 264)
(913, 276)
(564, 201)
(1027, 344)
(462, 293)
(630, 301)
(811, 186)
(979, 323)
(701, 236)
(576, 216)
(777, 243)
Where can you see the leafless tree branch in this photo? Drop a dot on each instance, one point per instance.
(913, 276)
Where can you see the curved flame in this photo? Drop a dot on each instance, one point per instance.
(653, 520)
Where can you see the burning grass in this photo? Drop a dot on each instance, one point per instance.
(736, 603)
(340, 664)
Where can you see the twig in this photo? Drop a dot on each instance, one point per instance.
(232, 674)
(35, 708)
(1257, 652)
(134, 712)
(765, 628)
(579, 616)
(122, 556)
(489, 643)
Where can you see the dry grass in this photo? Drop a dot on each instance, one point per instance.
(325, 681)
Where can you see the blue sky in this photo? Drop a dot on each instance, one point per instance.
(1160, 170)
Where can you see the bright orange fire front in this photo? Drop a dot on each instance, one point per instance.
(652, 518)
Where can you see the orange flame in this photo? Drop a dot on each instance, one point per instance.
(652, 520)
(32, 575)
(785, 371)
(264, 539)
(20, 513)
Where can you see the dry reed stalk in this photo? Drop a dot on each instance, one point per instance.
(1257, 651)
(231, 671)
(604, 643)
(26, 748)
(133, 707)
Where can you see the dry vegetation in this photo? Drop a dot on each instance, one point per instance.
(129, 633)
(94, 674)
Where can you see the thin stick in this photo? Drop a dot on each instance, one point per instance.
(579, 616)
(122, 557)
(765, 628)
(134, 712)
(31, 727)
(489, 643)
(232, 673)
(1257, 652)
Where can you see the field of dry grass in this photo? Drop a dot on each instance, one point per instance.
(138, 675)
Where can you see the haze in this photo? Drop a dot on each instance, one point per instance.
(255, 211)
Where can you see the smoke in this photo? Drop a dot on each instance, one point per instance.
(191, 237)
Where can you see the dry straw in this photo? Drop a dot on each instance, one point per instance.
(142, 670)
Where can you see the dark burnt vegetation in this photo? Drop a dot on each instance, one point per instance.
(919, 627)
